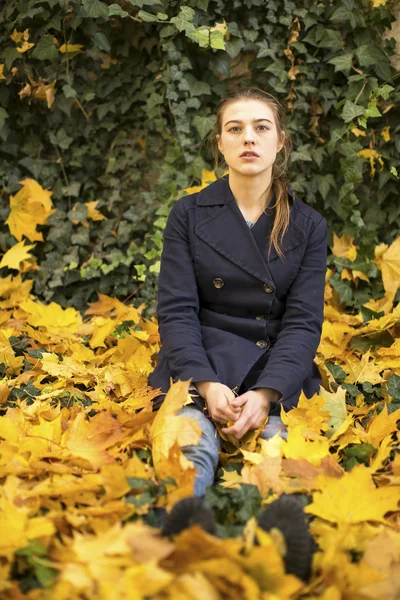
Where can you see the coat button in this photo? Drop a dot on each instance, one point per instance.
(262, 344)
(268, 288)
(261, 318)
(218, 282)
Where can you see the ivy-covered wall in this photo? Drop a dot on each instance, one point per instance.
(107, 105)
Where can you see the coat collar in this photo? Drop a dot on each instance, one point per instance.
(226, 230)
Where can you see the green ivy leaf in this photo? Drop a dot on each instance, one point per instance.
(95, 8)
(9, 55)
(369, 54)
(69, 91)
(372, 111)
(383, 91)
(361, 452)
(116, 11)
(351, 111)
(343, 288)
(201, 36)
(3, 116)
(393, 387)
(346, 12)
(146, 16)
(141, 3)
(338, 373)
(187, 13)
(203, 124)
(343, 62)
(217, 40)
(182, 25)
(301, 154)
(45, 49)
(196, 87)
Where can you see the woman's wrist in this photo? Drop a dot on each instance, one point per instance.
(203, 386)
(269, 394)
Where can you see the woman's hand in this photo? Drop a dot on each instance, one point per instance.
(255, 406)
(219, 398)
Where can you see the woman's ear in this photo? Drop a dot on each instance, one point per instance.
(218, 138)
(282, 142)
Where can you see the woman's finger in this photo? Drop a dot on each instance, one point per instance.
(238, 402)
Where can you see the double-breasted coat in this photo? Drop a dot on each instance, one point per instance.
(225, 312)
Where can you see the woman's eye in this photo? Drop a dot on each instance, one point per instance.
(265, 128)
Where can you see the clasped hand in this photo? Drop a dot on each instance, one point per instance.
(248, 411)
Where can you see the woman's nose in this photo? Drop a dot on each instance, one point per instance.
(249, 134)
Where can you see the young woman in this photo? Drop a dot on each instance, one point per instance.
(241, 285)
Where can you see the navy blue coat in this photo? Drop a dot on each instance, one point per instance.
(225, 312)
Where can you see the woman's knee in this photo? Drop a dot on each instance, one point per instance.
(209, 444)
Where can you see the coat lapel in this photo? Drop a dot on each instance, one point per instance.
(226, 230)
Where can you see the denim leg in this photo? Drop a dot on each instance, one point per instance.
(274, 425)
(205, 456)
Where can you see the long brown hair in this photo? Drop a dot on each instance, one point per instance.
(279, 178)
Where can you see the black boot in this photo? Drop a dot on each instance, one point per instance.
(187, 512)
(287, 515)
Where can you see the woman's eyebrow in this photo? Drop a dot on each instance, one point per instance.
(254, 121)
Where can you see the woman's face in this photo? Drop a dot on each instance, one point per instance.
(249, 125)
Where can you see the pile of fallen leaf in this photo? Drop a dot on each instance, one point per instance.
(85, 463)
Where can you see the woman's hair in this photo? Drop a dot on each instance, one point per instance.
(279, 178)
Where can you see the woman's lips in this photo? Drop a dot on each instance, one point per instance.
(249, 157)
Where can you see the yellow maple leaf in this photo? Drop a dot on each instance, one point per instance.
(337, 333)
(168, 427)
(222, 27)
(357, 132)
(93, 213)
(31, 206)
(13, 289)
(52, 317)
(382, 323)
(360, 275)
(102, 328)
(353, 498)
(372, 155)
(206, 178)
(362, 369)
(2, 76)
(343, 247)
(385, 133)
(106, 306)
(231, 479)
(383, 555)
(265, 475)
(381, 426)
(299, 445)
(90, 440)
(309, 414)
(16, 255)
(168, 433)
(335, 404)
(67, 368)
(7, 356)
(21, 38)
(387, 259)
(346, 274)
(17, 529)
(376, 3)
(70, 48)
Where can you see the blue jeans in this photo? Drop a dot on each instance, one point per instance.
(205, 455)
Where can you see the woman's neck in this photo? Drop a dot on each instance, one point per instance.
(249, 192)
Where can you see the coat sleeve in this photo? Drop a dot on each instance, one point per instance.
(299, 337)
(178, 303)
